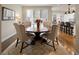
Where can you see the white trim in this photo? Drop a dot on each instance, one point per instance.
(6, 50)
(2, 40)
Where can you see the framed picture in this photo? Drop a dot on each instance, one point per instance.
(7, 14)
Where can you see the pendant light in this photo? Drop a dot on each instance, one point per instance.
(69, 10)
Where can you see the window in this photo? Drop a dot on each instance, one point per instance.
(44, 14)
(29, 13)
(37, 13)
(33, 14)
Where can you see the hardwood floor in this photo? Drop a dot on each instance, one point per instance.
(67, 41)
(64, 48)
(36, 49)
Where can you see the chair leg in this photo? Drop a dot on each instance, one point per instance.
(22, 47)
(54, 46)
(57, 40)
(17, 42)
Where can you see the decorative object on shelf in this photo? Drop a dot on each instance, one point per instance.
(69, 10)
(7, 14)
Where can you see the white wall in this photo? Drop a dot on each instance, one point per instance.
(7, 28)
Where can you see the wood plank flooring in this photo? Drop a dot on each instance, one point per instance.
(67, 41)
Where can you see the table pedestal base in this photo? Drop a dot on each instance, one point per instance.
(37, 38)
(43, 40)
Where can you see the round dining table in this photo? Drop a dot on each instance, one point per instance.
(37, 34)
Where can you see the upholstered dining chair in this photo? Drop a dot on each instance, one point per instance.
(21, 36)
(56, 29)
(52, 36)
(26, 23)
(48, 25)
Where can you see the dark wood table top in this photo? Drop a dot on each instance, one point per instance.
(30, 29)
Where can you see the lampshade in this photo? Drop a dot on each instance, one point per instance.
(73, 11)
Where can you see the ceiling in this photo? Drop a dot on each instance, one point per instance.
(36, 4)
(55, 7)
(62, 7)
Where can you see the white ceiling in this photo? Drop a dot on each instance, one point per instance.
(55, 7)
(36, 4)
(62, 7)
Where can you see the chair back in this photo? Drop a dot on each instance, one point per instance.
(20, 31)
(48, 25)
(27, 23)
(55, 29)
(54, 32)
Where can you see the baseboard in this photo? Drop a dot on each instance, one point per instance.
(8, 42)
(3, 39)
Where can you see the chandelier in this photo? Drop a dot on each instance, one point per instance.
(69, 10)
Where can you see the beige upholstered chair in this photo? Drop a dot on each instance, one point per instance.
(26, 23)
(52, 35)
(21, 35)
(48, 25)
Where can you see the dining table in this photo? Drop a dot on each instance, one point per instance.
(37, 36)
